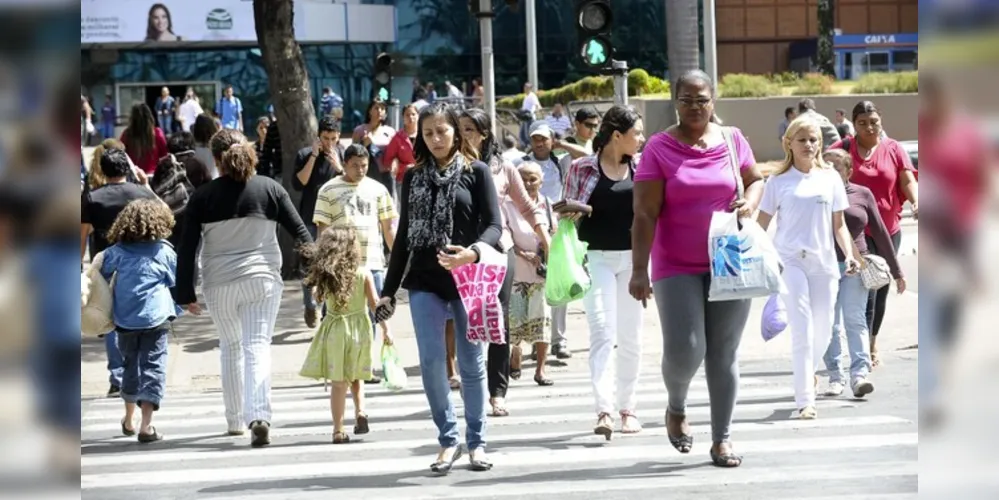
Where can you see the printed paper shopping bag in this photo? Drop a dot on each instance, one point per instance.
(744, 262)
(567, 280)
(478, 286)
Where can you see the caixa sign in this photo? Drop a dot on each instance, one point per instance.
(879, 39)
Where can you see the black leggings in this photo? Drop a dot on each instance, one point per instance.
(877, 300)
(498, 365)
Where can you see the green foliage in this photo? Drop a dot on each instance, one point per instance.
(785, 79)
(815, 84)
(743, 85)
(825, 57)
(591, 88)
(906, 82)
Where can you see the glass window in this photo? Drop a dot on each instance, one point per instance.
(905, 60)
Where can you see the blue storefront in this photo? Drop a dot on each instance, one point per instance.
(857, 55)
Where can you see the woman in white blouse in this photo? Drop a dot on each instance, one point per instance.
(809, 198)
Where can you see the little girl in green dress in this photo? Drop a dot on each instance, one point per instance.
(341, 349)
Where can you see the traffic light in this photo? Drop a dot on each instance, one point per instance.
(383, 77)
(593, 24)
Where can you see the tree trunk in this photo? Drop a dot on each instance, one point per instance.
(825, 58)
(288, 82)
(683, 38)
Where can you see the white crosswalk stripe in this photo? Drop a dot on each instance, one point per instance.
(546, 447)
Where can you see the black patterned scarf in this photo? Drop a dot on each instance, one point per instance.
(430, 217)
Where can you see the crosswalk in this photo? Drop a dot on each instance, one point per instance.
(545, 447)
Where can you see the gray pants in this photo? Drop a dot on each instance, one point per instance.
(695, 330)
(558, 326)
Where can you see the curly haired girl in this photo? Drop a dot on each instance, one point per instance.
(143, 267)
(341, 350)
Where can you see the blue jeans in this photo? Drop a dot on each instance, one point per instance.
(107, 130)
(145, 354)
(307, 299)
(166, 123)
(851, 316)
(430, 312)
(116, 364)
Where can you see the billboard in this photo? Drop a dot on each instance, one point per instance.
(169, 22)
(166, 21)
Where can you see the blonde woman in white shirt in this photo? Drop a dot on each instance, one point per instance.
(808, 198)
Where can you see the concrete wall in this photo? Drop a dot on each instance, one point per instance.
(759, 118)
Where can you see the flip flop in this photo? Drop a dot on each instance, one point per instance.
(340, 438)
(725, 460)
(443, 467)
(125, 430)
(543, 381)
(684, 442)
(150, 437)
(480, 465)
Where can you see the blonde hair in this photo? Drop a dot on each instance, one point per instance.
(95, 177)
(803, 122)
(529, 166)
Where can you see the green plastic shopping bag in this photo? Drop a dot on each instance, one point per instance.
(567, 280)
(393, 373)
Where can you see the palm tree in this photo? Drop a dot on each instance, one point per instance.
(682, 37)
(289, 91)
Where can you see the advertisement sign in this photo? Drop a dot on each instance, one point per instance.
(166, 21)
(185, 22)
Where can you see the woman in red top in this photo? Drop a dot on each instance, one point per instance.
(883, 166)
(400, 148)
(144, 141)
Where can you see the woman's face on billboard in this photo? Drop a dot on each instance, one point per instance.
(161, 20)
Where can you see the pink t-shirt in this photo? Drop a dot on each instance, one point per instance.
(698, 183)
(882, 173)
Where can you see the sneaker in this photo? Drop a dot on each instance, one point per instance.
(561, 352)
(310, 318)
(835, 389)
(862, 387)
(261, 432)
(114, 391)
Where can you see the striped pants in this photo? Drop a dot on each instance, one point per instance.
(244, 313)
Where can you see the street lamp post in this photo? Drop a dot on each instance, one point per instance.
(485, 15)
(532, 43)
(710, 41)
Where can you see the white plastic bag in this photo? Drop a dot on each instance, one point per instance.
(744, 262)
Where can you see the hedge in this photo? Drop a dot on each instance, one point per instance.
(814, 84)
(906, 82)
(732, 85)
(592, 88)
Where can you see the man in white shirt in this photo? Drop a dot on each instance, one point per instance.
(529, 111)
(189, 111)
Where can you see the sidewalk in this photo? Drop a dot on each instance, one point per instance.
(194, 364)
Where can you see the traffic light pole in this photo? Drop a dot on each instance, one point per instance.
(619, 70)
(531, 12)
(485, 16)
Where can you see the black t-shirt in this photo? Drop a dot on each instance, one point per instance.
(322, 172)
(609, 227)
(101, 207)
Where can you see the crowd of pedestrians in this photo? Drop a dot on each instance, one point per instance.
(402, 209)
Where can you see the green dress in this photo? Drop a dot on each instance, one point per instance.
(341, 349)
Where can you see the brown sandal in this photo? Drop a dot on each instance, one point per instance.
(605, 426)
(361, 424)
(340, 437)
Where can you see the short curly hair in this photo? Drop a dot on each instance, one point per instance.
(240, 162)
(140, 221)
(223, 140)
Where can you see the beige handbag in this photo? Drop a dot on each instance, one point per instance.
(97, 299)
(875, 272)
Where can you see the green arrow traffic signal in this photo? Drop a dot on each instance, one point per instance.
(596, 52)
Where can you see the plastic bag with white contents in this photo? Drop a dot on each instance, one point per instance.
(744, 261)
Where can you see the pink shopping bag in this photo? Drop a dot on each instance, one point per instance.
(478, 286)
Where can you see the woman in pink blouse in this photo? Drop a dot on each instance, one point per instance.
(881, 165)
(684, 176)
(476, 131)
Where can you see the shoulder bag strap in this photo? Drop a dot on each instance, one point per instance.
(733, 161)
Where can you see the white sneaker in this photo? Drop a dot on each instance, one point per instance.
(835, 389)
(862, 387)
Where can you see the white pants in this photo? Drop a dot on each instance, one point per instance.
(615, 318)
(244, 313)
(810, 298)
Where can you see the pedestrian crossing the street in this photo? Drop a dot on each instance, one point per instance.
(545, 447)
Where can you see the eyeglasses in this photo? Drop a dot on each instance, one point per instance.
(591, 125)
(688, 102)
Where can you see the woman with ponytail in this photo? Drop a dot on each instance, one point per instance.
(686, 175)
(234, 220)
(605, 182)
(476, 131)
